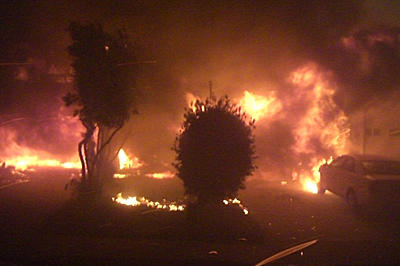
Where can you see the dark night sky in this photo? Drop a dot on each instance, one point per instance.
(239, 45)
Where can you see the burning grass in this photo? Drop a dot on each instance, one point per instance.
(105, 218)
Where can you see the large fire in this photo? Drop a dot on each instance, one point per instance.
(332, 134)
(316, 138)
(24, 158)
(21, 149)
(313, 89)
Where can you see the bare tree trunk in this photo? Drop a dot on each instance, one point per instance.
(103, 145)
(82, 159)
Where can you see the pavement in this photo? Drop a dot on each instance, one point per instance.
(287, 214)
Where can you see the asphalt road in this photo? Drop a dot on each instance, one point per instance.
(287, 214)
(292, 216)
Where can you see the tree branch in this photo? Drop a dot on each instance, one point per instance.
(105, 144)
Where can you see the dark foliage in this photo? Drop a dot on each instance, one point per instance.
(215, 150)
(103, 92)
(103, 83)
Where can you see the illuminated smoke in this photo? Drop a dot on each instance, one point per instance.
(18, 153)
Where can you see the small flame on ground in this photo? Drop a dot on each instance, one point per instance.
(139, 201)
(165, 205)
(126, 163)
(237, 202)
(310, 184)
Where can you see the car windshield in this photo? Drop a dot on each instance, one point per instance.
(382, 167)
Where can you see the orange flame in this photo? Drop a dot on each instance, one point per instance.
(135, 201)
(333, 134)
(191, 100)
(126, 163)
(139, 201)
(258, 106)
(163, 175)
(25, 162)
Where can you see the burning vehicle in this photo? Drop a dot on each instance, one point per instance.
(362, 180)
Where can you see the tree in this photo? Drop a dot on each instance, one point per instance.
(103, 94)
(214, 150)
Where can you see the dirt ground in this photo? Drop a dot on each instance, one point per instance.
(283, 215)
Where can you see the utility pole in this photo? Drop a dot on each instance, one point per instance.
(364, 140)
(210, 86)
(13, 64)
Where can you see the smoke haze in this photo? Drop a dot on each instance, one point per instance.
(239, 45)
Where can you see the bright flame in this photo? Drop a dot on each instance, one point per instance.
(163, 175)
(129, 201)
(28, 161)
(126, 163)
(313, 127)
(191, 100)
(310, 185)
(258, 106)
(119, 176)
(16, 153)
(310, 182)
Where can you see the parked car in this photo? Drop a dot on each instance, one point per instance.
(362, 180)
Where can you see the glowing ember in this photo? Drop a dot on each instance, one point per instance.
(237, 202)
(165, 205)
(126, 163)
(258, 106)
(119, 176)
(163, 175)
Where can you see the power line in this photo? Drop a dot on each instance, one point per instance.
(14, 64)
